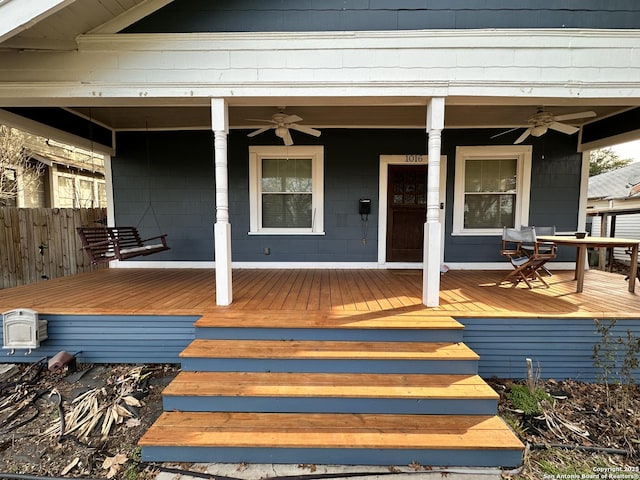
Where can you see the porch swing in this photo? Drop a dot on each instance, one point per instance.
(104, 244)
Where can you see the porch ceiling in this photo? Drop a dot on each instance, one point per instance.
(348, 113)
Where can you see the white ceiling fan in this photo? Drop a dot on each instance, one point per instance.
(542, 121)
(282, 123)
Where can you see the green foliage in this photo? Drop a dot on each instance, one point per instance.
(558, 463)
(516, 425)
(522, 399)
(605, 160)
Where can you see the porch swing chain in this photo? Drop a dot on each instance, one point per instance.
(149, 202)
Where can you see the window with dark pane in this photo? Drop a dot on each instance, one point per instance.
(490, 193)
(286, 193)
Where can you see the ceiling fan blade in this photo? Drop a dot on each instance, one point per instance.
(291, 119)
(286, 137)
(307, 130)
(523, 137)
(261, 120)
(561, 127)
(259, 131)
(504, 133)
(574, 116)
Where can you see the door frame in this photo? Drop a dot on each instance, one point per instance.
(385, 161)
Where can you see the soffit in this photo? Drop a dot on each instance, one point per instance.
(58, 30)
(457, 115)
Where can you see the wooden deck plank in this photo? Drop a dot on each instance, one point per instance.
(307, 430)
(337, 301)
(325, 291)
(363, 385)
(303, 291)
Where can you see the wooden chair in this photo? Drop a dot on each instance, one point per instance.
(528, 248)
(526, 266)
(104, 244)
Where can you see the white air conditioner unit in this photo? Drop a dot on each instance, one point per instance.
(21, 328)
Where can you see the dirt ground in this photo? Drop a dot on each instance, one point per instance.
(578, 428)
(106, 408)
(584, 429)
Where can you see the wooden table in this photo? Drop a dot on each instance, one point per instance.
(596, 242)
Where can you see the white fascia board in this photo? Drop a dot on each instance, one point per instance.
(18, 15)
(131, 16)
(487, 63)
(387, 39)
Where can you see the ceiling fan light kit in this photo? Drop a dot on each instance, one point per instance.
(538, 130)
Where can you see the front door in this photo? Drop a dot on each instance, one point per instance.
(406, 212)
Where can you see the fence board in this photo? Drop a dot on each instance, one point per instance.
(24, 230)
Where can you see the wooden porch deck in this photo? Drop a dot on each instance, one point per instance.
(322, 292)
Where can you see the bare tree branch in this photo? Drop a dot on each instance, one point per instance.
(19, 174)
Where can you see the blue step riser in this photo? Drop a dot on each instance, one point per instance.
(453, 336)
(331, 405)
(330, 366)
(347, 456)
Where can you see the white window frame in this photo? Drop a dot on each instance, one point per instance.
(256, 155)
(523, 156)
(76, 178)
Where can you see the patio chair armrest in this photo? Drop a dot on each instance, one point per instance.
(548, 247)
(510, 252)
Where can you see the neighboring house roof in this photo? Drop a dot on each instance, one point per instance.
(616, 184)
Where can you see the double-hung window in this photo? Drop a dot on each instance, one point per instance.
(492, 189)
(286, 189)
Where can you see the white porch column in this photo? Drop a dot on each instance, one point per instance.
(222, 229)
(432, 227)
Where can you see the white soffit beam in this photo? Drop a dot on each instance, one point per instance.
(131, 16)
(18, 15)
(46, 131)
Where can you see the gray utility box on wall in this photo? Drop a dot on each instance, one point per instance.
(22, 329)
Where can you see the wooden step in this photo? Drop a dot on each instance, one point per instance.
(313, 325)
(329, 356)
(330, 392)
(462, 440)
(416, 320)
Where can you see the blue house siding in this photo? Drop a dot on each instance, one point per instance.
(353, 15)
(169, 175)
(114, 339)
(163, 183)
(560, 348)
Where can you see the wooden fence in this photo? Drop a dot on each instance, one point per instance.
(38, 244)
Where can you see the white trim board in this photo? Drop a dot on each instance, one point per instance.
(328, 265)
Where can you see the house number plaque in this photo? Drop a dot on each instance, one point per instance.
(413, 158)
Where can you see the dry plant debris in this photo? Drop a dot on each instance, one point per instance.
(577, 430)
(79, 423)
